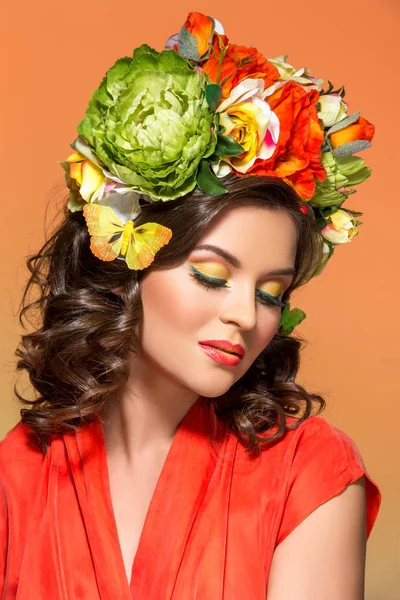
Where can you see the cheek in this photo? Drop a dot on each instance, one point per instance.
(268, 324)
(171, 302)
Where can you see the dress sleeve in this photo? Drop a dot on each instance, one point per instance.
(324, 460)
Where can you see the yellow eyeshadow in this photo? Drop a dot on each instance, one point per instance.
(272, 287)
(212, 269)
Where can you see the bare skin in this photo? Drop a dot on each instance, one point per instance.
(132, 486)
(323, 558)
(173, 371)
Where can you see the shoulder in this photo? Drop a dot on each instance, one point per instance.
(323, 453)
(315, 424)
(318, 434)
(314, 439)
(319, 461)
(21, 458)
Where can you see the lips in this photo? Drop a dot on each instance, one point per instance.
(226, 346)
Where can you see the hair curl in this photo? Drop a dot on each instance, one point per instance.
(76, 355)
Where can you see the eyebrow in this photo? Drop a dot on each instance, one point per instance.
(235, 262)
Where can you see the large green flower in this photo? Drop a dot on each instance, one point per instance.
(150, 124)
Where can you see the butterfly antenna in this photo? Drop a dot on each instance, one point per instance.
(135, 213)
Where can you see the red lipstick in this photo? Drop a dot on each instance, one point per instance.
(223, 351)
(225, 345)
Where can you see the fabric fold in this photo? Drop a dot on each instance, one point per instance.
(215, 518)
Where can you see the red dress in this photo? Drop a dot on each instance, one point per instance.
(213, 523)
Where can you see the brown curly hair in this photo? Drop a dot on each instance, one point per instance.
(76, 356)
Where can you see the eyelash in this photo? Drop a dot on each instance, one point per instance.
(218, 284)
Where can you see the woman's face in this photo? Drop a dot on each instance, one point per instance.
(179, 311)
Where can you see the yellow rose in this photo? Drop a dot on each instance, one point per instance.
(88, 176)
(250, 121)
(332, 109)
(340, 228)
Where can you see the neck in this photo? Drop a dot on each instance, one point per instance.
(146, 412)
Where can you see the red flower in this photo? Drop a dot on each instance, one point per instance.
(200, 29)
(297, 156)
(229, 64)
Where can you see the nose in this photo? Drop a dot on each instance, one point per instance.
(239, 307)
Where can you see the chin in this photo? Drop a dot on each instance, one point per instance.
(213, 387)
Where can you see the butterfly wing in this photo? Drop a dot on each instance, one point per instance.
(146, 240)
(103, 225)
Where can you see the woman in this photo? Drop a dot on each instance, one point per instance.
(170, 452)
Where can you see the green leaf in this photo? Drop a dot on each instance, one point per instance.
(290, 319)
(213, 95)
(327, 211)
(350, 148)
(187, 45)
(208, 182)
(344, 123)
(65, 165)
(321, 223)
(355, 213)
(227, 146)
(75, 201)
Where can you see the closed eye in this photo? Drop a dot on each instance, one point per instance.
(218, 284)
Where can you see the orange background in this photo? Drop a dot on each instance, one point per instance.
(55, 55)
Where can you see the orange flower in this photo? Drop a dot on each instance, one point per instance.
(236, 63)
(360, 130)
(297, 156)
(201, 28)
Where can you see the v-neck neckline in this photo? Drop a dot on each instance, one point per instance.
(173, 507)
(169, 456)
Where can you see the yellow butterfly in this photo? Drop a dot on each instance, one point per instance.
(111, 238)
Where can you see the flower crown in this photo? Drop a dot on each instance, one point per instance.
(162, 123)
